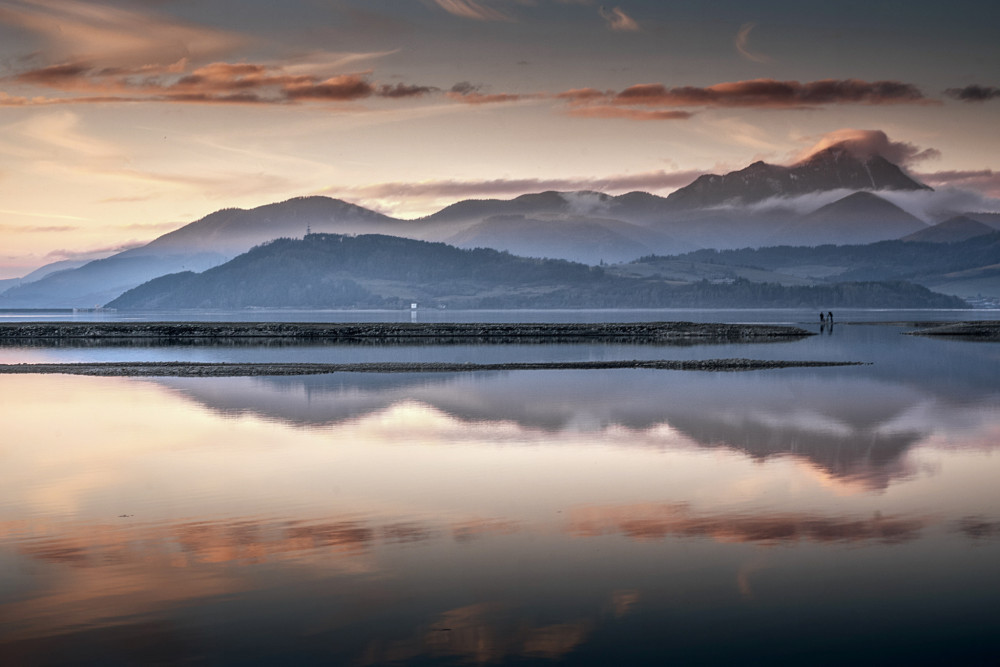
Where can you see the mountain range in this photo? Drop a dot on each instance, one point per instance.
(745, 208)
(965, 268)
(377, 271)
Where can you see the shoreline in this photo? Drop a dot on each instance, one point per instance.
(209, 369)
(411, 333)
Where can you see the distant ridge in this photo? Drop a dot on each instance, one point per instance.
(337, 271)
(954, 230)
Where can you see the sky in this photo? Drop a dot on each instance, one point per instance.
(121, 121)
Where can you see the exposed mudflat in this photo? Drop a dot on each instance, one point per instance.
(393, 333)
(981, 330)
(202, 369)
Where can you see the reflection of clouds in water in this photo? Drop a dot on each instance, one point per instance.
(979, 528)
(117, 573)
(658, 522)
(483, 633)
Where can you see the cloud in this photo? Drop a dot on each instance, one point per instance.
(469, 93)
(34, 229)
(618, 20)
(874, 142)
(741, 44)
(102, 54)
(93, 253)
(942, 203)
(755, 93)
(464, 88)
(607, 111)
(653, 181)
(974, 93)
(61, 130)
(344, 88)
(404, 90)
(213, 185)
(583, 95)
(213, 83)
(148, 226)
(479, 98)
(769, 93)
(471, 9)
(48, 216)
(104, 35)
(985, 181)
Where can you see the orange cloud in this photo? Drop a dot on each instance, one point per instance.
(214, 83)
(873, 142)
(342, 88)
(755, 93)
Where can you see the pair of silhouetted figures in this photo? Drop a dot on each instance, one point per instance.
(823, 321)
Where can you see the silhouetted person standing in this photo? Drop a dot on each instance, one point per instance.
(829, 316)
(822, 320)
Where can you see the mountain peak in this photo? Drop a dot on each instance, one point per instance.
(836, 167)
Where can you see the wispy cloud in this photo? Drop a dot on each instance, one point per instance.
(652, 181)
(974, 93)
(743, 47)
(38, 229)
(874, 142)
(105, 35)
(103, 54)
(985, 181)
(40, 214)
(618, 20)
(608, 111)
(61, 130)
(472, 9)
(93, 253)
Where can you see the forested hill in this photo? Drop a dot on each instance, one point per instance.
(374, 271)
(885, 260)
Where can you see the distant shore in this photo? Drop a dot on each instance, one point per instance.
(973, 330)
(202, 369)
(410, 333)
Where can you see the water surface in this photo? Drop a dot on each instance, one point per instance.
(817, 516)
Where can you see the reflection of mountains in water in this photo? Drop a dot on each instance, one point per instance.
(851, 426)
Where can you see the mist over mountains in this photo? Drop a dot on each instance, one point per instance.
(376, 271)
(831, 197)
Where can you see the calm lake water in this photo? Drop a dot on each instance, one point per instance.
(792, 516)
